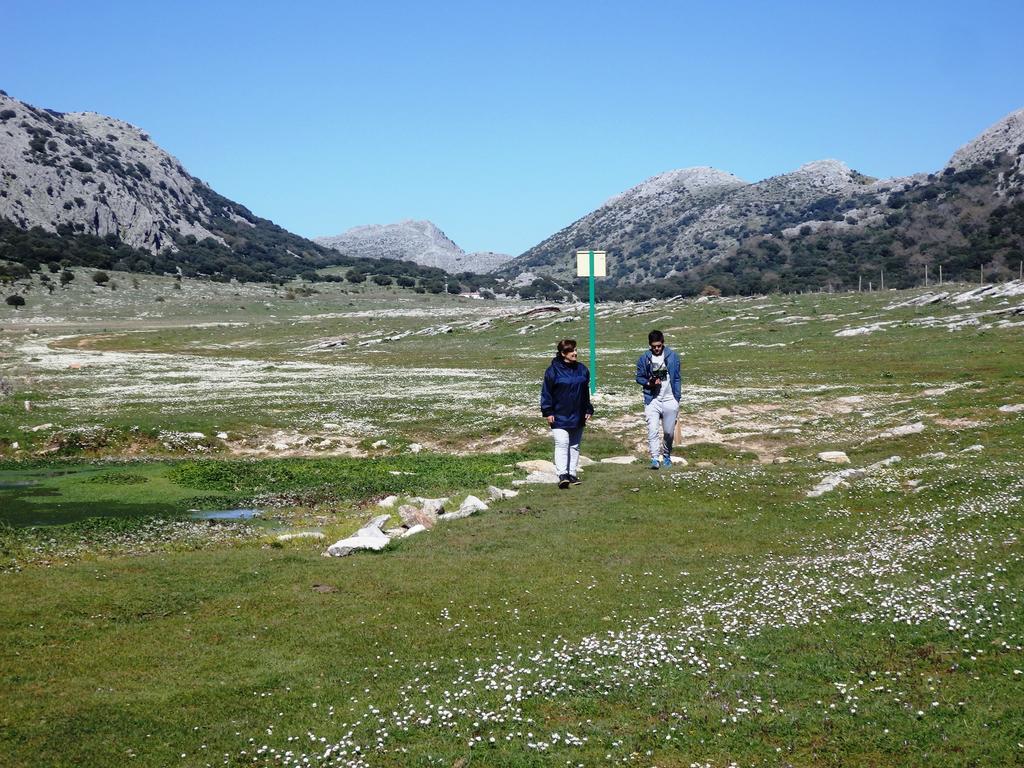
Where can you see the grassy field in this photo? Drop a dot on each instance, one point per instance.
(709, 615)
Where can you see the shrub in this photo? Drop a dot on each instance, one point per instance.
(16, 301)
(355, 276)
(710, 290)
(100, 278)
(382, 280)
(405, 281)
(80, 165)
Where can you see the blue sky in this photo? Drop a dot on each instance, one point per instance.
(503, 123)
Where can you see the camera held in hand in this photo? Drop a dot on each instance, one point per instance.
(657, 377)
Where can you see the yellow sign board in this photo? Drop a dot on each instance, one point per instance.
(583, 264)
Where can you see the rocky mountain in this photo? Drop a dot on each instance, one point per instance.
(96, 175)
(823, 224)
(85, 189)
(421, 242)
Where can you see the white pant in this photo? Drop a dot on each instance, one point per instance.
(567, 450)
(661, 425)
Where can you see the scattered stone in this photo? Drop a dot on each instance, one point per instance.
(835, 480)
(378, 521)
(586, 461)
(370, 536)
(537, 478)
(618, 460)
(834, 457)
(782, 459)
(1016, 408)
(324, 588)
(195, 435)
(537, 465)
(222, 435)
(412, 515)
(280, 446)
(380, 444)
(329, 425)
(973, 449)
(413, 531)
(387, 502)
(431, 505)
(902, 431)
(705, 464)
(495, 493)
(415, 447)
(470, 506)
(841, 478)
(301, 535)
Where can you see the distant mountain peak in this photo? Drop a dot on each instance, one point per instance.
(695, 181)
(684, 222)
(1007, 135)
(419, 241)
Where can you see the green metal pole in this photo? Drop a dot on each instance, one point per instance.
(593, 331)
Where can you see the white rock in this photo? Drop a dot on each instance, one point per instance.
(782, 459)
(42, 427)
(15, 445)
(973, 449)
(432, 506)
(413, 531)
(367, 537)
(412, 515)
(497, 494)
(415, 447)
(906, 429)
(470, 506)
(1016, 408)
(836, 480)
(535, 478)
(834, 457)
(537, 465)
(222, 435)
(387, 502)
(280, 446)
(195, 435)
(586, 461)
(379, 444)
(619, 460)
(841, 479)
(329, 425)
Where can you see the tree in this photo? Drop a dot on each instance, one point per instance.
(355, 276)
(16, 301)
(100, 278)
(66, 277)
(405, 281)
(382, 280)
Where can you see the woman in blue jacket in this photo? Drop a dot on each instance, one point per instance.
(565, 403)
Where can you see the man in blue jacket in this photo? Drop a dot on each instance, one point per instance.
(657, 371)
